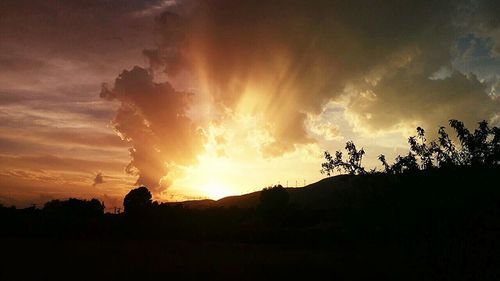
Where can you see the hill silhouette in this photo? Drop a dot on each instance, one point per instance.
(318, 195)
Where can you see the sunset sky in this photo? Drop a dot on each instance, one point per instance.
(204, 99)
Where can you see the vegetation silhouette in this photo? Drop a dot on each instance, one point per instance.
(137, 201)
(352, 166)
(433, 214)
(273, 198)
(74, 207)
(273, 202)
(481, 148)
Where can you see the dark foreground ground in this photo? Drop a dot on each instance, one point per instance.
(445, 257)
(34, 259)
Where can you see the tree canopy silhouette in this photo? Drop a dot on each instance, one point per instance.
(352, 166)
(480, 148)
(137, 201)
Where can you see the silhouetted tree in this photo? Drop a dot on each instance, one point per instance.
(387, 167)
(446, 153)
(352, 166)
(418, 145)
(137, 201)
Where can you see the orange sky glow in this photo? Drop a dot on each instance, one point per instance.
(207, 99)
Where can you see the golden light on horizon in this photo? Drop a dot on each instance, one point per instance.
(232, 162)
(216, 190)
(211, 176)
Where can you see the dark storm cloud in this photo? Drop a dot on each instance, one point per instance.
(424, 102)
(383, 54)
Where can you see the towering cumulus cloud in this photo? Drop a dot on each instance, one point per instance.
(388, 62)
(152, 118)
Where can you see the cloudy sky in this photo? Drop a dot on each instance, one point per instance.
(200, 99)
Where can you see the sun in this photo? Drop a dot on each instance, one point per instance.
(215, 190)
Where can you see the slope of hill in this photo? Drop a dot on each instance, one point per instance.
(354, 191)
(316, 195)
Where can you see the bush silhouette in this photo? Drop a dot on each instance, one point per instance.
(74, 208)
(137, 201)
(273, 200)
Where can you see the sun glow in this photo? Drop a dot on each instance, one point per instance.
(215, 190)
(226, 166)
(212, 176)
(233, 154)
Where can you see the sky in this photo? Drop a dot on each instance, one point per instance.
(204, 99)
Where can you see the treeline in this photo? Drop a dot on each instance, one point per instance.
(145, 218)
